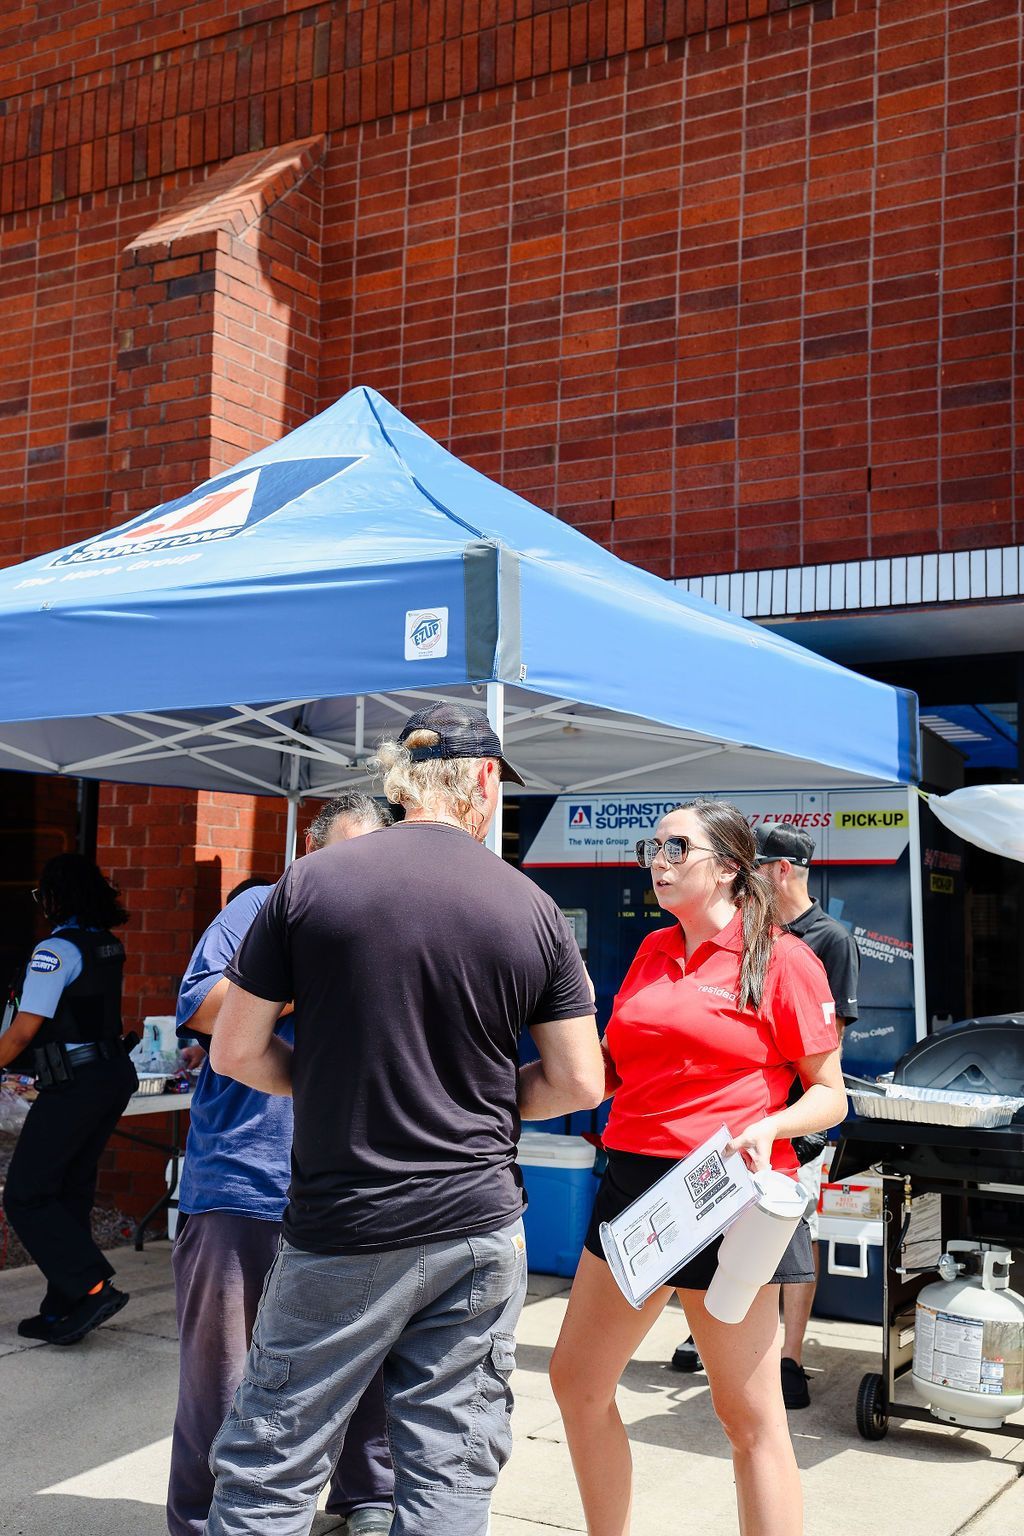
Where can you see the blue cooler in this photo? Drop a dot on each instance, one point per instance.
(558, 1172)
(850, 1277)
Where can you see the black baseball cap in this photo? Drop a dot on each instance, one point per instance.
(781, 842)
(462, 731)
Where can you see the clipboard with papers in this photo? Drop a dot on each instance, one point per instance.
(682, 1213)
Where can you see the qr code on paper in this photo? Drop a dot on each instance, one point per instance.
(707, 1176)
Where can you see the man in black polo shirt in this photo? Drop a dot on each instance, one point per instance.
(784, 854)
(414, 961)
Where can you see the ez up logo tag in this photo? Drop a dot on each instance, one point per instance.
(426, 633)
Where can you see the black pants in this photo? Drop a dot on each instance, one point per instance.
(51, 1182)
(221, 1260)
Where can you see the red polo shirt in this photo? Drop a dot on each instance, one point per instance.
(689, 1061)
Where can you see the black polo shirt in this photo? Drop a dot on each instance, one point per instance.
(415, 959)
(837, 950)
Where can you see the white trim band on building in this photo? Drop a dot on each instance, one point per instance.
(900, 581)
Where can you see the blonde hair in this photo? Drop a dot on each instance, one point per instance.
(439, 783)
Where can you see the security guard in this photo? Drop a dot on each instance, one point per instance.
(67, 1033)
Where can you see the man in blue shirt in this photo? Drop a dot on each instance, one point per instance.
(232, 1195)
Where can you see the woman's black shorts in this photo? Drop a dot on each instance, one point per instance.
(631, 1174)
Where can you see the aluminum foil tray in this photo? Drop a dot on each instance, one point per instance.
(934, 1106)
(150, 1082)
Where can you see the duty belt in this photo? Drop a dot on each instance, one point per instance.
(81, 1055)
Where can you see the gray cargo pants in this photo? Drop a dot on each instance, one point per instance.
(440, 1318)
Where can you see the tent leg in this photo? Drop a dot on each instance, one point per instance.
(292, 824)
(291, 827)
(496, 715)
(917, 914)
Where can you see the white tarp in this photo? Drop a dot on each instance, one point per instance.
(990, 816)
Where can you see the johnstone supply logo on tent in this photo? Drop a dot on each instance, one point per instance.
(579, 815)
(222, 508)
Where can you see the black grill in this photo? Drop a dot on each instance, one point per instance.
(978, 1172)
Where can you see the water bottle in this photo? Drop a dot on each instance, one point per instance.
(752, 1247)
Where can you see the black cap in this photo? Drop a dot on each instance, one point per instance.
(777, 841)
(462, 731)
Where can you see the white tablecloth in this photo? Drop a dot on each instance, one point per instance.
(157, 1103)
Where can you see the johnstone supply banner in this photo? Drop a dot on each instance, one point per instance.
(848, 826)
(860, 874)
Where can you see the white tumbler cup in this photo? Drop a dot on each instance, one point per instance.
(752, 1247)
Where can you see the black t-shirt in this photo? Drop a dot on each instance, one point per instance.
(415, 958)
(837, 950)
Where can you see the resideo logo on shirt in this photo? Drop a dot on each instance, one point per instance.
(730, 997)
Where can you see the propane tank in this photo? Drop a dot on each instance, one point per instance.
(969, 1339)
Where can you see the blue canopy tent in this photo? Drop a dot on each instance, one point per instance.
(258, 633)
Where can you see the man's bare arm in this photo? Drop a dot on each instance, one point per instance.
(205, 1016)
(244, 1045)
(204, 1020)
(570, 1073)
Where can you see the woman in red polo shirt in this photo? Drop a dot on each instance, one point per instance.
(717, 1013)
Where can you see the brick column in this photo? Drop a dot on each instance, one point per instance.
(218, 338)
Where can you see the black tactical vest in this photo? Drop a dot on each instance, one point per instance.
(90, 1008)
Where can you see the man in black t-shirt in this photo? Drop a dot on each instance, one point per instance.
(414, 961)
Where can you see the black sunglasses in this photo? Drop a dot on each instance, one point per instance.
(676, 850)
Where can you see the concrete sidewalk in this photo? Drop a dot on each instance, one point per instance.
(84, 1433)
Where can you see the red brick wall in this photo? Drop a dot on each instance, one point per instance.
(726, 283)
(722, 291)
(747, 306)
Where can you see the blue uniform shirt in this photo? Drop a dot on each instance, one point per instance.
(238, 1154)
(54, 965)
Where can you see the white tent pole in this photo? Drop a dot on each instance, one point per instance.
(292, 824)
(917, 914)
(496, 715)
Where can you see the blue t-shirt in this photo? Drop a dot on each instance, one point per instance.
(238, 1153)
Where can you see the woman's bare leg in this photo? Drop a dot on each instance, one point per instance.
(599, 1336)
(742, 1365)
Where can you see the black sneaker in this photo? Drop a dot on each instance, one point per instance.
(38, 1327)
(794, 1384)
(88, 1314)
(686, 1358)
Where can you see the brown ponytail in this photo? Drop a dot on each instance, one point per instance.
(733, 843)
